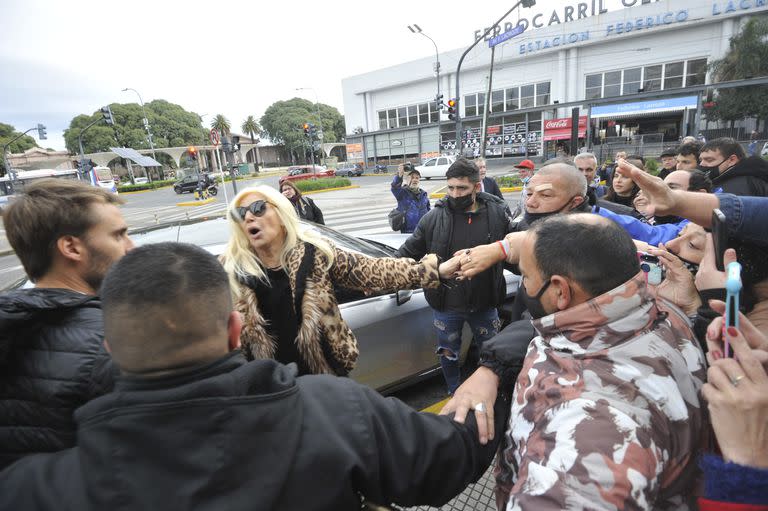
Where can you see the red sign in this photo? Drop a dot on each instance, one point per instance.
(214, 137)
(560, 129)
(493, 130)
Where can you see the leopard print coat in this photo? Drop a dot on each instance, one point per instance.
(324, 339)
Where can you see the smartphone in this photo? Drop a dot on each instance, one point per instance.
(651, 265)
(720, 237)
(732, 290)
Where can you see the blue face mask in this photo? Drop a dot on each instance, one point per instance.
(525, 180)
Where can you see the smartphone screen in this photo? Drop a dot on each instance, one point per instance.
(720, 237)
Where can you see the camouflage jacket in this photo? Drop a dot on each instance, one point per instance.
(607, 412)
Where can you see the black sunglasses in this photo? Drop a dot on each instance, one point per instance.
(257, 208)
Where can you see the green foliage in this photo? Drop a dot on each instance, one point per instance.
(221, 124)
(309, 185)
(747, 57)
(509, 181)
(171, 126)
(652, 166)
(8, 133)
(251, 126)
(146, 186)
(282, 122)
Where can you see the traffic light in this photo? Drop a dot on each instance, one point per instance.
(235, 143)
(306, 128)
(41, 134)
(452, 109)
(192, 152)
(106, 112)
(439, 101)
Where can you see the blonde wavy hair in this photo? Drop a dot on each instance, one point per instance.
(241, 261)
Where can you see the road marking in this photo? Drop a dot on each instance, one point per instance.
(12, 268)
(435, 408)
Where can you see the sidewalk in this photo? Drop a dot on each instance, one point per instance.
(5, 247)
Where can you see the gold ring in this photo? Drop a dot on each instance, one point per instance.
(736, 379)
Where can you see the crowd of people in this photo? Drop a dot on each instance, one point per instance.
(162, 376)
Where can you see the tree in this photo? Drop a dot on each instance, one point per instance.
(251, 126)
(747, 57)
(171, 126)
(282, 123)
(8, 133)
(221, 124)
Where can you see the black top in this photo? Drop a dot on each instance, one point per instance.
(276, 305)
(470, 230)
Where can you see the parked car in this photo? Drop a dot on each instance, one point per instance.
(188, 184)
(140, 180)
(394, 330)
(349, 170)
(435, 167)
(299, 172)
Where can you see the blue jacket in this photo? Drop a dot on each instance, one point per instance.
(746, 217)
(651, 234)
(413, 205)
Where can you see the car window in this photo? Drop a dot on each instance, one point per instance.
(430, 163)
(443, 161)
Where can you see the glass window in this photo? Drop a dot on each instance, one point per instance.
(673, 75)
(383, 120)
(696, 73)
(424, 113)
(497, 101)
(513, 99)
(431, 163)
(434, 113)
(480, 103)
(413, 115)
(392, 117)
(652, 79)
(526, 96)
(612, 86)
(542, 93)
(631, 80)
(594, 86)
(402, 116)
(470, 105)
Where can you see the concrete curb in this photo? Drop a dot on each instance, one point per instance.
(196, 202)
(330, 189)
(4, 253)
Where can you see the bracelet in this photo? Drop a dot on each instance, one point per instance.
(504, 245)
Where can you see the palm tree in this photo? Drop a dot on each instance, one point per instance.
(251, 126)
(221, 124)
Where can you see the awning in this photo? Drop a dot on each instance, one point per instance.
(135, 157)
(564, 134)
(560, 129)
(638, 108)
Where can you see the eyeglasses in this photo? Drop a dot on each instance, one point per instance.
(257, 208)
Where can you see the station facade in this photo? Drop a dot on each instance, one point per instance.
(576, 52)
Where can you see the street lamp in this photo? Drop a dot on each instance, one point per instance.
(415, 29)
(146, 121)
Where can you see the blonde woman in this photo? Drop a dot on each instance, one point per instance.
(283, 284)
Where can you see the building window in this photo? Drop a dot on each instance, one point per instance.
(542, 93)
(402, 116)
(424, 113)
(497, 101)
(480, 103)
(673, 75)
(696, 73)
(594, 86)
(652, 78)
(392, 117)
(413, 116)
(513, 99)
(470, 105)
(434, 113)
(612, 84)
(383, 120)
(527, 96)
(632, 80)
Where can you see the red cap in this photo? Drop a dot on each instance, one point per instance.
(525, 164)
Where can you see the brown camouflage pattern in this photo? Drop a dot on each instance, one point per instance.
(607, 412)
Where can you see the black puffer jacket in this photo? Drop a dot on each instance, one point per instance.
(52, 361)
(748, 177)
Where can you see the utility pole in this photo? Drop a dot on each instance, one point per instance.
(524, 3)
(484, 137)
(41, 134)
(438, 97)
(146, 123)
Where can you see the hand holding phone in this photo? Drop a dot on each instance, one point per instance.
(720, 237)
(732, 290)
(651, 265)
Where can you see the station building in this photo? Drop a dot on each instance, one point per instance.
(573, 52)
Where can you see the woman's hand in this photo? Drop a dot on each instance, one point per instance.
(737, 393)
(677, 286)
(449, 268)
(708, 276)
(481, 387)
(755, 339)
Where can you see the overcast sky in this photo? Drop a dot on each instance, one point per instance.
(61, 58)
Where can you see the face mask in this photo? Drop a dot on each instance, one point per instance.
(461, 203)
(533, 303)
(711, 171)
(525, 180)
(530, 218)
(689, 265)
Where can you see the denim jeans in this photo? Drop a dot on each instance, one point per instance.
(746, 217)
(484, 324)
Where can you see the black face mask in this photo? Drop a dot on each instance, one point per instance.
(533, 303)
(530, 218)
(711, 171)
(690, 265)
(460, 204)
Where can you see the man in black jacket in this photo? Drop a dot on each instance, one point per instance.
(191, 425)
(487, 184)
(731, 171)
(464, 218)
(66, 234)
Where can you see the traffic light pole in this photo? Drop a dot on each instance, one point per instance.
(528, 3)
(7, 156)
(82, 153)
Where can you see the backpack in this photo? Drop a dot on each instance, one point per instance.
(396, 219)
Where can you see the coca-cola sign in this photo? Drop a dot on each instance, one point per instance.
(557, 124)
